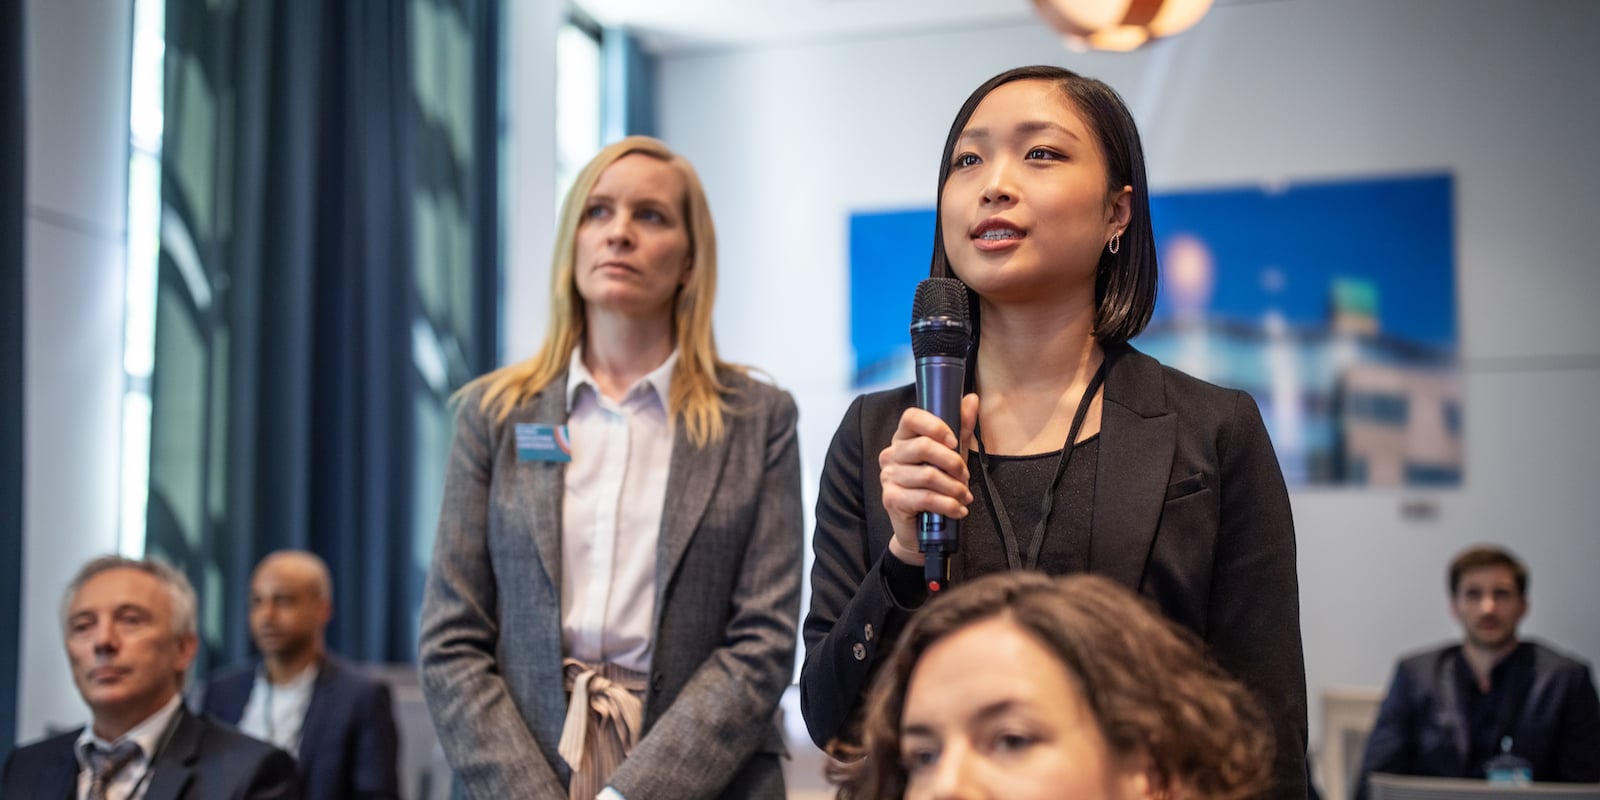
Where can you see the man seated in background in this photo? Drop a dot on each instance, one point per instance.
(130, 635)
(301, 698)
(1452, 710)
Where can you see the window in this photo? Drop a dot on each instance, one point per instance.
(145, 123)
(578, 90)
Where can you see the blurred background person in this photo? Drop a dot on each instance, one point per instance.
(1019, 685)
(130, 635)
(1493, 695)
(1150, 477)
(621, 526)
(339, 723)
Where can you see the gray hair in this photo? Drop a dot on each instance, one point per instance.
(184, 603)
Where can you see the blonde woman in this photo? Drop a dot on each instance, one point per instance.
(612, 602)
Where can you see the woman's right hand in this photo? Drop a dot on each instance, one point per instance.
(924, 468)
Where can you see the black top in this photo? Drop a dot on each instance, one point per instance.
(1021, 482)
(1490, 714)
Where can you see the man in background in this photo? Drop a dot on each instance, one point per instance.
(130, 635)
(1492, 702)
(302, 699)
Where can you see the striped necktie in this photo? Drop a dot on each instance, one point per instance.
(107, 763)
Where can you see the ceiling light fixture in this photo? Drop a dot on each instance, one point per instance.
(1119, 24)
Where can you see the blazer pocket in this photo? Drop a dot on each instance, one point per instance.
(1193, 484)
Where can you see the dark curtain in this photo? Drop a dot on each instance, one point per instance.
(359, 438)
(285, 384)
(12, 173)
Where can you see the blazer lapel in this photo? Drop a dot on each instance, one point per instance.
(313, 727)
(226, 700)
(691, 480)
(61, 781)
(542, 483)
(175, 763)
(1138, 437)
(1452, 707)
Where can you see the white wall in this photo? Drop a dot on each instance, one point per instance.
(77, 129)
(528, 177)
(792, 139)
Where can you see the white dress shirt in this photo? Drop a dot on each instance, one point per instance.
(134, 780)
(616, 485)
(276, 713)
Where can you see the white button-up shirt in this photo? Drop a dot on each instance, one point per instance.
(133, 781)
(276, 713)
(616, 485)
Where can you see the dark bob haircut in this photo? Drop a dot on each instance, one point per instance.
(1125, 282)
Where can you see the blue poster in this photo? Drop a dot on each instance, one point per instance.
(1332, 303)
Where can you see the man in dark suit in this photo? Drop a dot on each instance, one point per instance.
(1492, 703)
(301, 698)
(130, 631)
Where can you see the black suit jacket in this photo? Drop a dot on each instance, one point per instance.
(348, 743)
(1190, 509)
(1422, 726)
(204, 760)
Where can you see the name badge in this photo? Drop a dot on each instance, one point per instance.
(1507, 767)
(540, 442)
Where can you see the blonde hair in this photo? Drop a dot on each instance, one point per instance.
(697, 394)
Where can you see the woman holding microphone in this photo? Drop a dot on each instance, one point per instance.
(1076, 452)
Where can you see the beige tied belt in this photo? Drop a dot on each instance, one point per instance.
(604, 715)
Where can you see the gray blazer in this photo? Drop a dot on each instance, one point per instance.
(728, 567)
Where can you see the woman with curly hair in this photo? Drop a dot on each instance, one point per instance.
(1019, 685)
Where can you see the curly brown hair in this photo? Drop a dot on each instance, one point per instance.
(1157, 698)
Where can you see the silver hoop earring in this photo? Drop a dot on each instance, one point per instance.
(1116, 243)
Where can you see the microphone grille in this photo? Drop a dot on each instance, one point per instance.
(939, 323)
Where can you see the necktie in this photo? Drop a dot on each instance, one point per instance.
(107, 763)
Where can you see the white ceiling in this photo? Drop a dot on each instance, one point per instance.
(669, 26)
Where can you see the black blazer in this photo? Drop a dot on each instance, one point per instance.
(204, 760)
(1190, 509)
(1422, 727)
(348, 743)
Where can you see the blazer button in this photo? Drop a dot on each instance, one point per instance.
(657, 682)
(868, 631)
(860, 651)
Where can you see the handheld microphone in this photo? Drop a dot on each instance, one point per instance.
(941, 333)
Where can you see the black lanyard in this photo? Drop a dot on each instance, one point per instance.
(1002, 519)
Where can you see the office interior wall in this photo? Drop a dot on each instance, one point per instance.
(77, 138)
(528, 185)
(792, 138)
